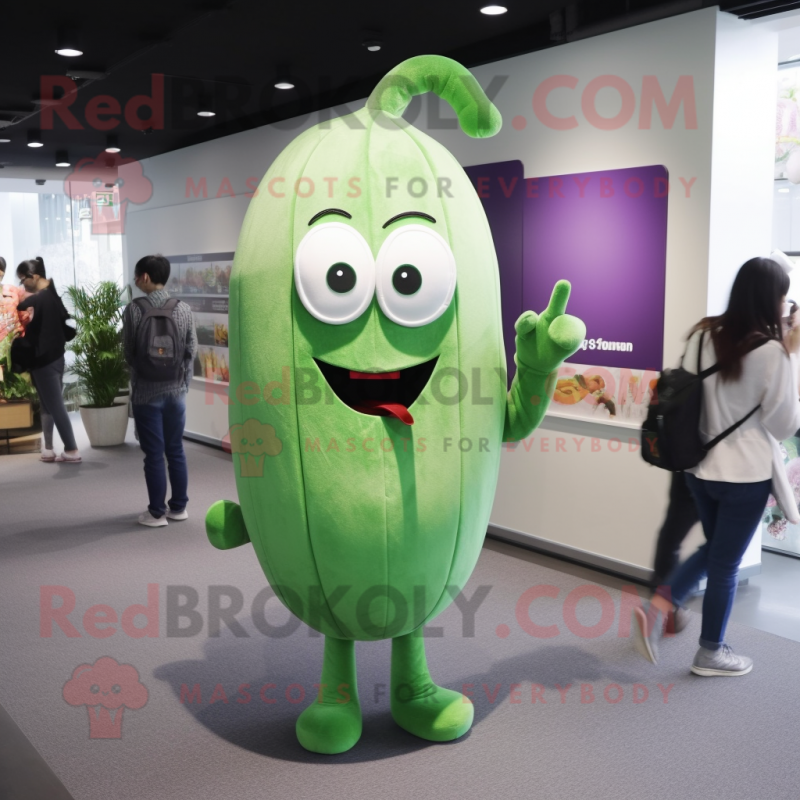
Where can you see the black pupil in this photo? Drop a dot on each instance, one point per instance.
(406, 279)
(341, 277)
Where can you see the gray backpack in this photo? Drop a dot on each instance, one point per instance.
(159, 351)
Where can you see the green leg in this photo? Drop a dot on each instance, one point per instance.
(332, 723)
(418, 704)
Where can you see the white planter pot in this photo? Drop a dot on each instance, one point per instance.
(105, 427)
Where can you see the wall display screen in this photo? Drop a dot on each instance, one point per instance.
(202, 280)
(605, 232)
(787, 125)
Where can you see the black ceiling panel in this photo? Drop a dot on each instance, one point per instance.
(232, 53)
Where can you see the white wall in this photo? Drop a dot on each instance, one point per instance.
(602, 502)
(743, 152)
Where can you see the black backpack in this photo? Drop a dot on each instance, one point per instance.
(158, 351)
(671, 433)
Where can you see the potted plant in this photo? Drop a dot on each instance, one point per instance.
(100, 360)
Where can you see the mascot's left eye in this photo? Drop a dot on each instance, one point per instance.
(334, 273)
(416, 276)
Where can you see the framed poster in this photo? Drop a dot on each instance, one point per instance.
(605, 232)
(202, 281)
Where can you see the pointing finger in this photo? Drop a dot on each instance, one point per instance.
(558, 301)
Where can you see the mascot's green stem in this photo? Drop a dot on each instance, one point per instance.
(446, 78)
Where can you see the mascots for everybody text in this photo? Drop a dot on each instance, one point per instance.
(369, 394)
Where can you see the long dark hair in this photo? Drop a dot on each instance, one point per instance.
(35, 266)
(754, 312)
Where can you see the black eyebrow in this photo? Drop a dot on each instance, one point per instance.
(405, 214)
(338, 211)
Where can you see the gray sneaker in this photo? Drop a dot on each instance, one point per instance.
(723, 662)
(647, 630)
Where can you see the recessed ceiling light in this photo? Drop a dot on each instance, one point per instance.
(4, 141)
(493, 11)
(68, 42)
(62, 159)
(112, 144)
(373, 45)
(35, 139)
(284, 85)
(206, 114)
(35, 144)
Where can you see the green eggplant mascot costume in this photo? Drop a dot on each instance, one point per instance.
(368, 390)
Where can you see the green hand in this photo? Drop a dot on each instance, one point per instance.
(544, 341)
(225, 526)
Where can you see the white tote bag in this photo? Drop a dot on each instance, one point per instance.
(781, 488)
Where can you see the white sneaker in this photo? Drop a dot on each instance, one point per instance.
(177, 515)
(148, 519)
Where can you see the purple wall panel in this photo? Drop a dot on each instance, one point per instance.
(501, 187)
(605, 232)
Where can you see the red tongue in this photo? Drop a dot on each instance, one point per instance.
(380, 409)
(374, 376)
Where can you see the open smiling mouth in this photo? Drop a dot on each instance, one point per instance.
(383, 394)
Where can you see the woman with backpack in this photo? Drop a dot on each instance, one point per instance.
(41, 352)
(756, 387)
(160, 344)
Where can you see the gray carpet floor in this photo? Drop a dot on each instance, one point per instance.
(74, 526)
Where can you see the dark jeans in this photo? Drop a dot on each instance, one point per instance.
(49, 381)
(730, 513)
(160, 425)
(681, 518)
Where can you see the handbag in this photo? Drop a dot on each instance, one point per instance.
(781, 488)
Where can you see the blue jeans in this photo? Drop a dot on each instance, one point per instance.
(160, 425)
(730, 513)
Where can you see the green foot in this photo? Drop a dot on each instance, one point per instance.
(332, 723)
(329, 728)
(440, 716)
(419, 706)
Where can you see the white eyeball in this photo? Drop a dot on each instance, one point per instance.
(416, 276)
(334, 273)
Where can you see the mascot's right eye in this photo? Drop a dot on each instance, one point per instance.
(334, 273)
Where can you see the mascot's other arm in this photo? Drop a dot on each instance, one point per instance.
(225, 526)
(543, 342)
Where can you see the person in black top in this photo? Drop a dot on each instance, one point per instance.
(42, 352)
